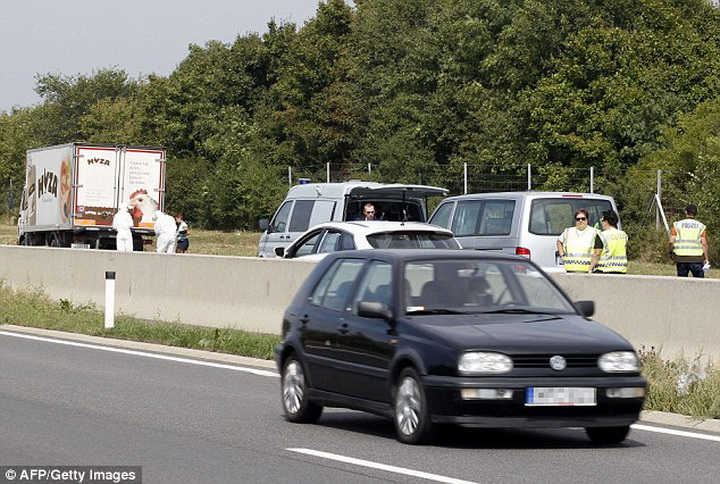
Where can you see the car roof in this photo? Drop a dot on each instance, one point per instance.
(529, 194)
(361, 188)
(362, 227)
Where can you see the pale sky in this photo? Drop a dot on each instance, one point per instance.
(71, 37)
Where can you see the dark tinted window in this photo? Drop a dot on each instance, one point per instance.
(306, 246)
(301, 215)
(334, 287)
(412, 240)
(550, 216)
(483, 217)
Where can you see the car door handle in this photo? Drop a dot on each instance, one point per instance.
(304, 319)
(343, 329)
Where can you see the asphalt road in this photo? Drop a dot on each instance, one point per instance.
(200, 420)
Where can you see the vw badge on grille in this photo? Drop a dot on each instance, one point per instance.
(558, 363)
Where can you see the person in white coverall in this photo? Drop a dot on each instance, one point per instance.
(165, 229)
(123, 222)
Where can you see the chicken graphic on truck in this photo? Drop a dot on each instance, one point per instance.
(72, 192)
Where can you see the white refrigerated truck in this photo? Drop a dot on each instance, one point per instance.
(73, 191)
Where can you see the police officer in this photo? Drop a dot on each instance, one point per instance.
(576, 244)
(688, 245)
(612, 258)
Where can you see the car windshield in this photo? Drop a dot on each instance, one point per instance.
(412, 240)
(480, 286)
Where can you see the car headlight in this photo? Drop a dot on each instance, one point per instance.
(477, 362)
(619, 362)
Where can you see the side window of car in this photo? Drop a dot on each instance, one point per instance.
(497, 217)
(466, 218)
(306, 247)
(280, 221)
(441, 216)
(376, 285)
(330, 243)
(347, 242)
(335, 285)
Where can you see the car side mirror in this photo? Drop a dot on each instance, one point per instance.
(375, 310)
(280, 251)
(586, 308)
(264, 224)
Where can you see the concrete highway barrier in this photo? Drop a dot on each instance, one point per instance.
(678, 317)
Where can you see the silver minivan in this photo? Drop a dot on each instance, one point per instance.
(521, 223)
(309, 204)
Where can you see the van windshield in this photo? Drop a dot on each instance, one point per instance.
(550, 216)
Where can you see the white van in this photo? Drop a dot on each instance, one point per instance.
(521, 223)
(309, 204)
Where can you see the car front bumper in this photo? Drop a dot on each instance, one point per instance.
(447, 405)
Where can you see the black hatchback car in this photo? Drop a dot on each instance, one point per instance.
(453, 337)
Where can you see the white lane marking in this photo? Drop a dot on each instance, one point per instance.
(679, 433)
(382, 467)
(142, 353)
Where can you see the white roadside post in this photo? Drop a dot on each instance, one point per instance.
(109, 299)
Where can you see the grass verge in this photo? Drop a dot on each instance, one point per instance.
(35, 309)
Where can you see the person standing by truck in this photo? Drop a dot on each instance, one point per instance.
(123, 222)
(183, 242)
(688, 245)
(575, 244)
(165, 229)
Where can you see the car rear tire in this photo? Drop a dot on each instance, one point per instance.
(295, 402)
(411, 416)
(607, 435)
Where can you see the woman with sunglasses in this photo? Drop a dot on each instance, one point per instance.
(577, 244)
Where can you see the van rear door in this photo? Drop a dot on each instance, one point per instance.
(395, 192)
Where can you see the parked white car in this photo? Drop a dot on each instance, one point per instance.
(328, 237)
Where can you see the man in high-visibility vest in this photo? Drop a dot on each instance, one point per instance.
(688, 245)
(576, 244)
(612, 258)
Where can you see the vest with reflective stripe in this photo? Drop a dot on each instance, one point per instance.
(613, 257)
(688, 240)
(578, 249)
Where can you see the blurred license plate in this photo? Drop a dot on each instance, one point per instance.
(560, 396)
(79, 246)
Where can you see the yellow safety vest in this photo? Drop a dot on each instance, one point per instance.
(578, 248)
(688, 241)
(613, 257)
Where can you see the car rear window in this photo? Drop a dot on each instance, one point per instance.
(550, 216)
(412, 240)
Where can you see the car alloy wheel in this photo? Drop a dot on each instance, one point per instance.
(412, 421)
(295, 402)
(607, 435)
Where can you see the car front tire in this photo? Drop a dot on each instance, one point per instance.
(294, 393)
(607, 435)
(411, 416)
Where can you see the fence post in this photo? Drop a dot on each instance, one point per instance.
(592, 179)
(529, 177)
(657, 194)
(465, 178)
(289, 176)
(369, 169)
(328, 172)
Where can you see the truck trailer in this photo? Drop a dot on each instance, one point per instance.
(73, 191)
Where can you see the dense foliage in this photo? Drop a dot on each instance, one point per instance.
(416, 89)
